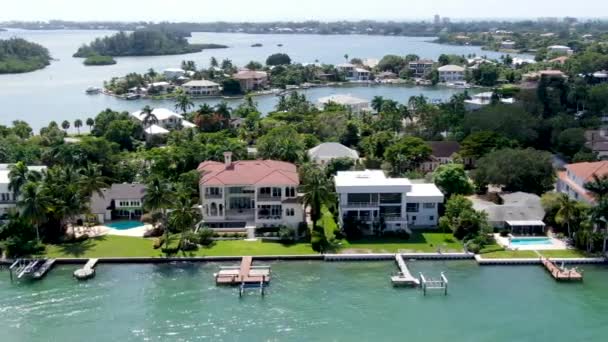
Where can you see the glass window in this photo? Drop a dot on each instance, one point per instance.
(412, 207)
(429, 205)
(394, 198)
(432, 218)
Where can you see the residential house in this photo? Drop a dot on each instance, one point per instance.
(167, 121)
(386, 75)
(519, 212)
(451, 73)
(173, 73)
(443, 152)
(420, 68)
(159, 87)
(8, 200)
(249, 193)
(481, 100)
(559, 49)
(251, 80)
(381, 203)
(597, 141)
(507, 45)
(325, 152)
(120, 201)
(354, 104)
(353, 73)
(201, 88)
(572, 180)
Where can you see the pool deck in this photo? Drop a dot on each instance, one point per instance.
(101, 230)
(555, 244)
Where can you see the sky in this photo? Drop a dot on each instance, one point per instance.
(297, 10)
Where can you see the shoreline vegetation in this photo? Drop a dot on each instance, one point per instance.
(97, 60)
(143, 43)
(20, 56)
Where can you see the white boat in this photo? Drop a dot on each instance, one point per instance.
(93, 90)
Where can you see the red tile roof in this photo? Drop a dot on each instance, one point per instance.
(249, 172)
(585, 171)
(575, 187)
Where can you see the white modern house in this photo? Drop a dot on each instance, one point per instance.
(354, 104)
(560, 50)
(481, 100)
(120, 201)
(353, 72)
(173, 73)
(249, 193)
(325, 152)
(166, 121)
(8, 200)
(451, 73)
(201, 88)
(373, 199)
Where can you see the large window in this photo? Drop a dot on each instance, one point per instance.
(362, 198)
(412, 207)
(290, 192)
(270, 212)
(394, 198)
(429, 205)
(213, 192)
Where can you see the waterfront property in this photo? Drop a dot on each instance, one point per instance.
(386, 203)
(572, 181)
(481, 100)
(249, 193)
(166, 120)
(443, 152)
(173, 73)
(420, 68)
(251, 80)
(354, 104)
(201, 88)
(520, 213)
(8, 199)
(353, 73)
(120, 201)
(451, 73)
(559, 50)
(325, 152)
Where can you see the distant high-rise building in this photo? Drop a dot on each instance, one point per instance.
(437, 19)
(446, 20)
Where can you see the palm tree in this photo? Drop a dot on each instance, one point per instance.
(34, 205)
(65, 125)
(92, 181)
(598, 187)
(317, 190)
(213, 62)
(224, 110)
(148, 117)
(90, 123)
(159, 196)
(346, 57)
(183, 101)
(377, 102)
(17, 177)
(184, 215)
(567, 212)
(78, 124)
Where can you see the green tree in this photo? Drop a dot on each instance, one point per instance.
(452, 180)
(19, 174)
(566, 213)
(281, 143)
(406, 154)
(90, 122)
(22, 129)
(462, 219)
(478, 144)
(184, 215)
(34, 204)
(213, 62)
(571, 141)
(158, 198)
(78, 124)
(183, 101)
(278, 59)
(65, 125)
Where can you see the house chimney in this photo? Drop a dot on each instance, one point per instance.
(227, 158)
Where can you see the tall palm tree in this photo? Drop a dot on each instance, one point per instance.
(34, 205)
(183, 102)
(317, 190)
(158, 198)
(377, 102)
(92, 181)
(224, 110)
(598, 187)
(78, 124)
(90, 122)
(17, 177)
(65, 125)
(148, 117)
(184, 215)
(567, 212)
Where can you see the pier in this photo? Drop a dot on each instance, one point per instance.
(30, 268)
(561, 273)
(245, 273)
(432, 284)
(88, 271)
(404, 277)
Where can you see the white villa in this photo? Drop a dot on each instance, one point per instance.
(481, 100)
(249, 193)
(353, 73)
(167, 121)
(8, 201)
(325, 152)
(451, 73)
(559, 49)
(173, 73)
(372, 198)
(201, 88)
(354, 104)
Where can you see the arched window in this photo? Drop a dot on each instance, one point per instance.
(221, 206)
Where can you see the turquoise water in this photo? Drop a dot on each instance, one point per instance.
(124, 225)
(531, 241)
(57, 92)
(306, 301)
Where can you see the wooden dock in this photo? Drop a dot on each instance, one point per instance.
(404, 277)
(88, 271)
(562, 273)
(245, 273)
(44, 269)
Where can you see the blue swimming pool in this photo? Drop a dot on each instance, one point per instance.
(124, 225)
(531, 241)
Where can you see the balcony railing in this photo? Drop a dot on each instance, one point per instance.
(240, 213)
(359, 204)
(269, 217)
(268, 198)
(213, 196)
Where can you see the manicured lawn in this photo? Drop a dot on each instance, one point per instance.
(122, 246)
(510, 255)
(564, 253)
(420, 241)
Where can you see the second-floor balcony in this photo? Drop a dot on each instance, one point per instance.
(359, 204)
(268, 198)
(240, 214)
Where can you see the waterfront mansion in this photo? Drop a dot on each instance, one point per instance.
(249, 193)
(8, 200)
(386, 203)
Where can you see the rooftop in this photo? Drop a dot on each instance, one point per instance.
(425, 190)
(444, 149)
(342, 99)
(160, 113)
(99, 204)
(248, 172)
(200, 83)
(368, 178)
(249, 74)
(517, 206)
(331, 150)
(586, 170)
(450, 67)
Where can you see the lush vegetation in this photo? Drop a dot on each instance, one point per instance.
(142, 43)
(18, 55)
(99, 60)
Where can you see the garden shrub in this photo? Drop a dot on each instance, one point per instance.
(287, 235)
(205, 237)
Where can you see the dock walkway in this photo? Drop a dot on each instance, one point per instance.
(44, 269)
(244, 273)
(404, 277)
(561, 274)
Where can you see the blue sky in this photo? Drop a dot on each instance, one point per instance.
(265, 10)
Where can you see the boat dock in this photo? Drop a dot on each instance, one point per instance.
(245, 273)
(43, 270)
(562, 273)
(88, 271)
(31, 268)
(404, 277)
(434, 284)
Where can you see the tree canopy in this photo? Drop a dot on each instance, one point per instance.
(17, 55)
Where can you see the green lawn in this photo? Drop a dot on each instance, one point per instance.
(564, 253)
(510, 255)
(122, 246)
(420, 241)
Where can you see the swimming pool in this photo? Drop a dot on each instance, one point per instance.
(124, 225)
(531, 241)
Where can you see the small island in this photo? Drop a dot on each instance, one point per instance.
(143, 43)
(256, 45)
(96, 60)
(18, 56)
